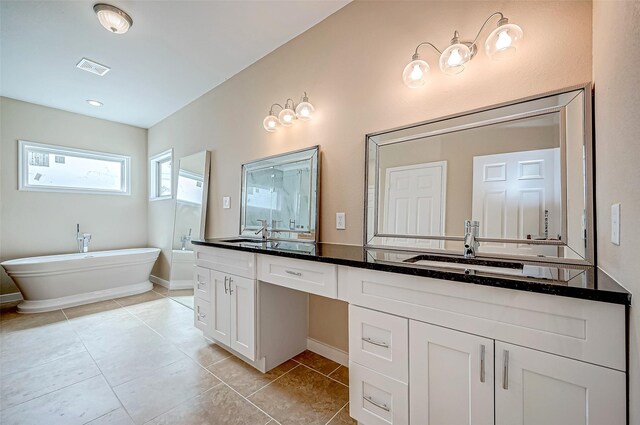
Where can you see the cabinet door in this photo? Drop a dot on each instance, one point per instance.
(534, 388)
(243, 315)
(220, 307)
(451, 377)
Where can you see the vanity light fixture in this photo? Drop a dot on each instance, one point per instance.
(289, 113)
(113, 19)
(502, 42)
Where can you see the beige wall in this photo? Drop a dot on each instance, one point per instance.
(616, 74)
(351, 65)
(40, 223)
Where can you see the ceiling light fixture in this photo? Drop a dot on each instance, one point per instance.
(113, 19)
(502, 42)
(289, 113)
(95, 103)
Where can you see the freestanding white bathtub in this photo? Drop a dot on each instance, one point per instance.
(58, 281)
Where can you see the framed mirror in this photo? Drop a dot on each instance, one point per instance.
(192, 189)
(523, 170)
(282, 191)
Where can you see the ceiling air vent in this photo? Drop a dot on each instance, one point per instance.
(93, 67)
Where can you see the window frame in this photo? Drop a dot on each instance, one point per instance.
(23, 168)
(154, 175)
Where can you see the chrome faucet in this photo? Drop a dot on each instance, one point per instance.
(185, 239)
(83, 239)
(471, 244)
(263, 231)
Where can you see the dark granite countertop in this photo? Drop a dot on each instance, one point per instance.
(576, 281)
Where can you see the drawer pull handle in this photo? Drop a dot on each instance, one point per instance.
(375, 403)
(505, 371)
(202, 315)
(374, 342)
(293, 273)
(230, 290)
(201, 284)
(482, 354)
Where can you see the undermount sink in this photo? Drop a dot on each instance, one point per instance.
(473, 266)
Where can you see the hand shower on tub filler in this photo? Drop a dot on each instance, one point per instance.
(83, 239)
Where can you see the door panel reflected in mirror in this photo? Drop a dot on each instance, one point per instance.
(520, 172)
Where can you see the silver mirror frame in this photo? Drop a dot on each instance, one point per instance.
(315, 150)
(377, 139)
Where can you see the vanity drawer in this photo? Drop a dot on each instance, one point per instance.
(375, 399)
(202, 283)
(202, 315)
(307, 276)
(226, 260)
(380, 342)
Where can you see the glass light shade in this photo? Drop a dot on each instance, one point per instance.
(304, 111)
(415, 73)
(112, 18)
(270, 123)
(286, 117)
(503, 41)
(453, 58)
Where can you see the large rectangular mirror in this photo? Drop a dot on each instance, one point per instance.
(282, 191)
(522, 170)
(189, 222)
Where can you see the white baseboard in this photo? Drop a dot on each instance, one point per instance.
(9, 298)
(158, 281)
(332, 353)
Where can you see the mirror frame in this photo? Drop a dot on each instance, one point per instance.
(316, 222)
(205, 195)
(518, 113)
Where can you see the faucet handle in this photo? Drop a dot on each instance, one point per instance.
(262, 221)
(274, 222)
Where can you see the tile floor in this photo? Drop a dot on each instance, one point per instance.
(139, 360)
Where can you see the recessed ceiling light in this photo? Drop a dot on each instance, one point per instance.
(94, 103)
(113, 19)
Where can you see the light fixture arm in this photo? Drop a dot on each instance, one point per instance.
(293, 104)
(502, 18)
(416, 56)
(271, 108)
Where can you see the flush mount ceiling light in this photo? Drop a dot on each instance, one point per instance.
(113, 19)
(502, 42)
(95, 103)
(289, 113)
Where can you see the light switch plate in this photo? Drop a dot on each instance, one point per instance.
(615, 224)
(226, 202)
(340, 221)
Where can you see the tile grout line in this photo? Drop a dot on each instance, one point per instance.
(245, 398)
(326, 376)
(337, 413)
(266, 385)
(101, 374)
(335, 370)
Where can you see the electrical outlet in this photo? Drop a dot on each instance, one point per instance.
(340, 221)
(615, 224)
(226, 202)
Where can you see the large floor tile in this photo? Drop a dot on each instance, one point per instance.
(341, 374)
(127, 366)
(73, 405)
(11, 320)
(202, 350)
(246, 379)
(154, 394)
(139, 299)
(302, 396)
(115, 417)
(26, 349)
(343, 418)
(112, 343)
(317, 362)
(218, 406)
(23, 386)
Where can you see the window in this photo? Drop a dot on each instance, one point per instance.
(190, 187)
(49, 168)
(160, 176)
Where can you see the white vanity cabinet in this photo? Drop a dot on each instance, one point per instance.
(480, 355)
